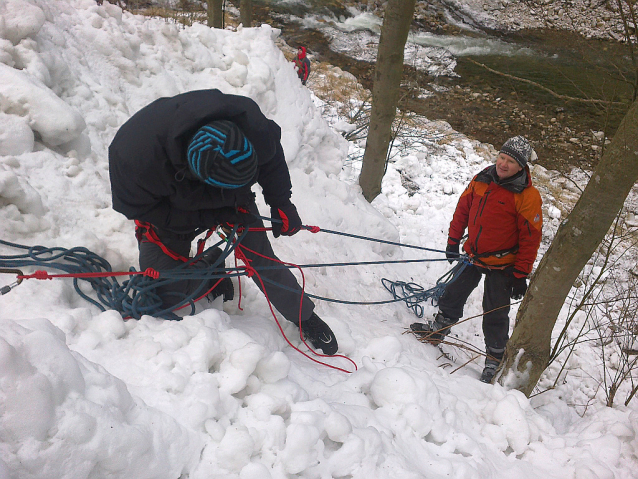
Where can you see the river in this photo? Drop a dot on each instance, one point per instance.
(562, 62)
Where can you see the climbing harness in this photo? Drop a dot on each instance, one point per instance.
(146, 232)
(478, 258)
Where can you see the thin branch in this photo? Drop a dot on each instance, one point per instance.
(551, 92)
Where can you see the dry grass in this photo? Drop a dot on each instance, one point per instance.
(180, 17)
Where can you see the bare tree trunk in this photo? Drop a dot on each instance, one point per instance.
(246, 13)
(215, 13)
(385, 93)
(575, 242)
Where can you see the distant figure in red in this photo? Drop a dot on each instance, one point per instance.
(302, 65)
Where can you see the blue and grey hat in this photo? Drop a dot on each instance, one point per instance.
(220, 155)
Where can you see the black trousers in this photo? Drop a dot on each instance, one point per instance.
(287, 302)
(496, 293)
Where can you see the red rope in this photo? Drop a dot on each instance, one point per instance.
(303, 287)
(250, 271)
(40, 274)
(312, 229)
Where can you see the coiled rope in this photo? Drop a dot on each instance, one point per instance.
(132, 298)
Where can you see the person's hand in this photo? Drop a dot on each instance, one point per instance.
(232, 216)
(452, 251)
(519, 288)
(290, 221)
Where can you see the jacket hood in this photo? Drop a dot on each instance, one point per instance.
(302, 53)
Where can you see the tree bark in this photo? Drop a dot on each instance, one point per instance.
(246, 13)
(385, 93)
(215, 13)
(575, 242)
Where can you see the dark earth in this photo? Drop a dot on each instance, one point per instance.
(482, 105)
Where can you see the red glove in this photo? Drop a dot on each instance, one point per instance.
(290, 221)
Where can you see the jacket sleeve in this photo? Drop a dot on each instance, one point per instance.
(274, 177)
(461, 214)
(530, 224)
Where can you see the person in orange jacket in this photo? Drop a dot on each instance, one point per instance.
(501, 210)
(302, 65)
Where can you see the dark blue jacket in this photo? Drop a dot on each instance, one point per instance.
(150, 178)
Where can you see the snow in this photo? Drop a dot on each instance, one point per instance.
(221, 394)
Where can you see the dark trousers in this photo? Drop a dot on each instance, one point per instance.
(497, 289)
(152, 256)
(285, 301)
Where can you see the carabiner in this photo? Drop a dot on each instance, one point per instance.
(9, 287)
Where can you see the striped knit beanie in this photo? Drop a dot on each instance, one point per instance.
(220, 155)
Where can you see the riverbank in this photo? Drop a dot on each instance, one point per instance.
(482, 105)
(589, 18)
(478, 103)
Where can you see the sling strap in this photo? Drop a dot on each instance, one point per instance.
(145, 231)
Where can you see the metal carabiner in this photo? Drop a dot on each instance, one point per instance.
(9, 287)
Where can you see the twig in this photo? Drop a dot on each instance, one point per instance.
(466, 363)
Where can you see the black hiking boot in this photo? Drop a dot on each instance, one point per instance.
(315, 330)
(489, 371)
(434, 331)
(492, 361)
(225, 287)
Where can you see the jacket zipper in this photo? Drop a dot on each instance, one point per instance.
(481, 207)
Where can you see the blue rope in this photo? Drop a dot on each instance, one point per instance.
(413, 294)
(137, 296)
(134, 297)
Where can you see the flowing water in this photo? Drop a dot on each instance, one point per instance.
(560, 62)
(563, 62)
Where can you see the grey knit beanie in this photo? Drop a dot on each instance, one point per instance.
(518, 148)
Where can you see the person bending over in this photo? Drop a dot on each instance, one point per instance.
(187, 163)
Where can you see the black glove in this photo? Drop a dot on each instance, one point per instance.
(290, 221)
(225, 288)
(452, 251)
(519, 287)
(232, 216)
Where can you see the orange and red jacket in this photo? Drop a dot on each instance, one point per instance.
(504, 221)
